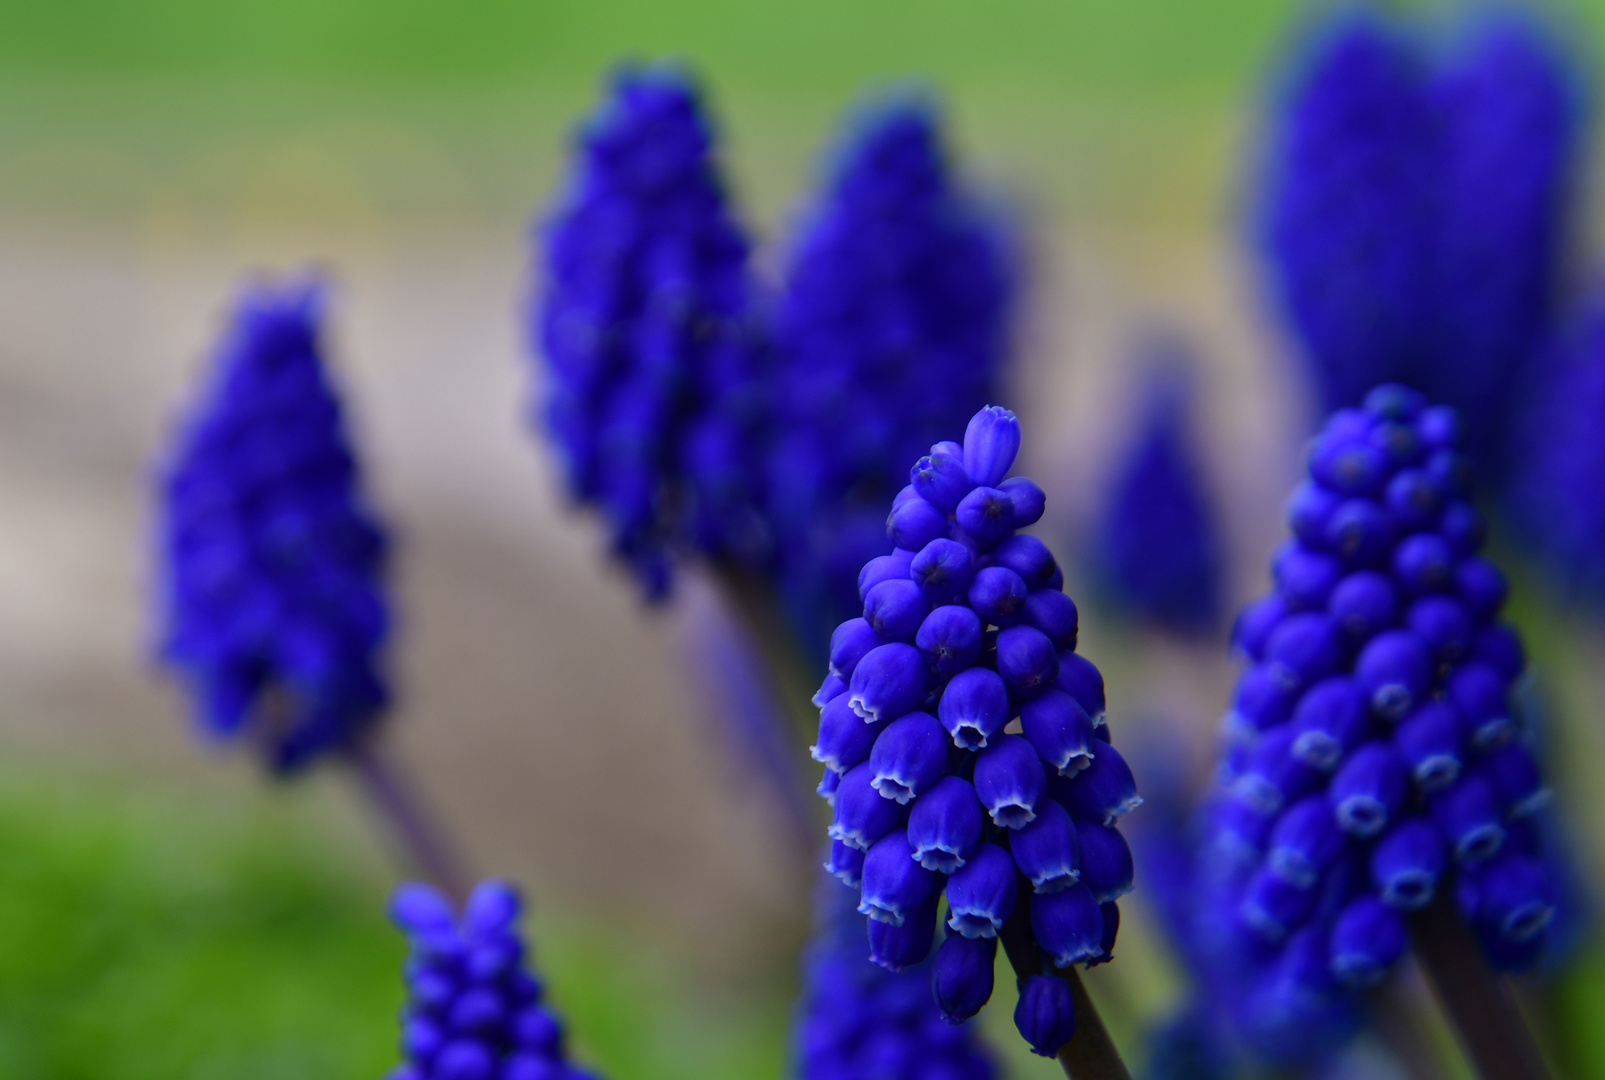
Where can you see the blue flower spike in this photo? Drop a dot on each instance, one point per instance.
(273, 606)
(1375, 789)
(1016, 831)
(646, 324)
(474, 1009)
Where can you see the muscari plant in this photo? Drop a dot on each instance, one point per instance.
(965, 630)
(1377, 789)
(474, 1010)
(270, 563)
(1413, 210)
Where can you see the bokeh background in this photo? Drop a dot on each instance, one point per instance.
(163, 913)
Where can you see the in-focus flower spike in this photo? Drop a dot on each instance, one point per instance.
(891, 331)
(1158, 541)
(474, 1009)
(1016, 831)
(646, 322)
(1390, 773)
(857, 1019)
(271, 563)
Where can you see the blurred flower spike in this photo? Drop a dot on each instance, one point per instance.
(646, 320)
(966, 638)
(474, 1011)
(1377, 763)
(272, 602)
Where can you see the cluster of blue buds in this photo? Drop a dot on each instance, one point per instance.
(1415, 210)
(1375, 760)
(474, 1011)
(646, 326)
(859, 1020)
(891, 332)
(272, 599)
(965, 746)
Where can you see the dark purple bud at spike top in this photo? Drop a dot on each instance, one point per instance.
(961, 977)
(1470, 815)
(1407, 863)
(1010, 781)
(1082, 681)
(1347, 466)
(1368, 938)
(951, 638)
(1395, 670)
(884, 568)
(1330, 719)
(888, 682)
(941, 481)
(1305, 577)
(987, 515)
(1045, 1015)
(1304, 842)
(895, 886)
(897, 948)
(1364, 604)
(1478, 691)
(1255, 623)
(974, 708)
(1360, 531)
(1414, 499)
(1273, 777)
(1308, 510)
(862, 816)
(1028, 500)
(1028, 557)
(1516, 899)
(1027, 660)
(1515, 779)
(991, 443)
(982, 893)
(998, 595)
(1482, 586)
(845, 863)
(1104, 791)
(1274, 907)
(1497, 644)
(945, 825)
(1424, 563)
(1106, 863)
(1464, 528)
(1054, 613)
(942, 570)
(1394, 401)
(1264, 699)
(1060, 730)
(895, 609)
(915, 523)
(1307, 645)
(1369, 791)
(850, 643)
(1068, 925)
(1444, 624)
(829, 690)
(1047, 850)
(844, 739)
(1431, 741)
(909, 756)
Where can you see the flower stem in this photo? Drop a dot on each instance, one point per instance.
(1480, 1008)
(1090, 1054)
(414, 831)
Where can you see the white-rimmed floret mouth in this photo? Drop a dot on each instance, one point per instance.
(1436, 772)
(1362, 815)
(1013, 815)
(939, 857)
(881, 913)
(1527, 921)
(1480, 844)
(969, 737)
(1409, 890)
(974, 924)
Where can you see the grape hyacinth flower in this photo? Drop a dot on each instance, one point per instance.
(1378, 779)
(647, 326)
(271, 563)
(474, 1011)
(860, 1020)
(1158, 540)
(966, 747)
(891, 331)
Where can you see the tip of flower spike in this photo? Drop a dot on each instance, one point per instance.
(493, 905)
(418, 908)
(991, 443)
